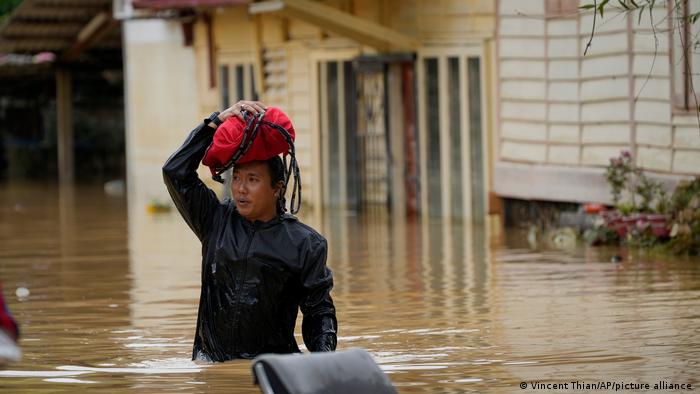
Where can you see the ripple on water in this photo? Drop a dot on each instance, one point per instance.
(440, 306)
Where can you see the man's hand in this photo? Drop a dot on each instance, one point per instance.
(253, 107)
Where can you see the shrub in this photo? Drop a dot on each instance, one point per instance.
(685, 211)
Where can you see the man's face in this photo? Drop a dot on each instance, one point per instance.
(251, 188)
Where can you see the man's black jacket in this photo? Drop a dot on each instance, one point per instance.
(255, 275)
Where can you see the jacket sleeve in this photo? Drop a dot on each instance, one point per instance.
(319, 326)
(196, 202)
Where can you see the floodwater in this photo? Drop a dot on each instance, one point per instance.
(443, 308)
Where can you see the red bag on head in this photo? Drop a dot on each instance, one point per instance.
(268, 143)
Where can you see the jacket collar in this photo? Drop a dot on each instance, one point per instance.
(259, 225)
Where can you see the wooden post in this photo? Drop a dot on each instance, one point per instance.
(64, 112)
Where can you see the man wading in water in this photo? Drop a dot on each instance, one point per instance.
(259, 263)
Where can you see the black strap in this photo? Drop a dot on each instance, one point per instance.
(248, 137)
(292, 169)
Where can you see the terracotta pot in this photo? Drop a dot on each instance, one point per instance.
(593, 208)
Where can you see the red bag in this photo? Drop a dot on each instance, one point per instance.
(268, 143)
(6, 321)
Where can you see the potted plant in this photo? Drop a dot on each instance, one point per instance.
(617, 174)
(643, 211)
(659, 220)
(685, 210)
(628, 218)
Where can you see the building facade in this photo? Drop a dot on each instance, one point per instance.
(438, 108)
(389, 98)
(562, 114)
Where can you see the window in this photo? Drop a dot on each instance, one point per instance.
(452, 151)
(455, 134)
(336, 153)
(225, 97)
(237, 83)
(434, 194)
(476, 139)
(334, 131)
(683, 54)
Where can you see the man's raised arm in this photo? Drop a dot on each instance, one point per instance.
(193, 199)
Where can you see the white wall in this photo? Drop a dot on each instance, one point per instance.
(161, 103)
(565, 113)
(161, 108)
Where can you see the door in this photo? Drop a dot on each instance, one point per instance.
(452, 145)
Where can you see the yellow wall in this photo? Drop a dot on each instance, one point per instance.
(448, 20)
(234, 35)
(168, 84)
(291, 48)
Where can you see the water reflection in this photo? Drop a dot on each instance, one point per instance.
(441, 306)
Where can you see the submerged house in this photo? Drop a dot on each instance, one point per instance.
(390, 99)
(61, 94)
(440, 108)
(562, 115)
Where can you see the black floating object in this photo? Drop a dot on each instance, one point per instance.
(616, 258)
(344, 372)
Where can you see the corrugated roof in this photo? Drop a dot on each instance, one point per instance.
(55, 25)
(172, 4)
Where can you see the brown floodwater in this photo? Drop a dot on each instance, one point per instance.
(443, 308)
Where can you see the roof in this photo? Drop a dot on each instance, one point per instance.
(64, 27)
(172, 4)
(335, 20)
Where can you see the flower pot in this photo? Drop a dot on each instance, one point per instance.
(593, 208)
(609, 217)
(628, 222)
(613, 221)
(641, 222)
(659, 225)
(621, 229)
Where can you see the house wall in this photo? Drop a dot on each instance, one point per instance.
(161, 104)
(290, 50)
(563, 114)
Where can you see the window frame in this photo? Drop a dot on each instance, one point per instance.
(560, 8)
(232, 90)
(443, 54)
(682, 102)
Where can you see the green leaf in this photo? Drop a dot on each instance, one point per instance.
(623, 5)
(601, 7)
(692, 18)
(586, 6)
(641, 11)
